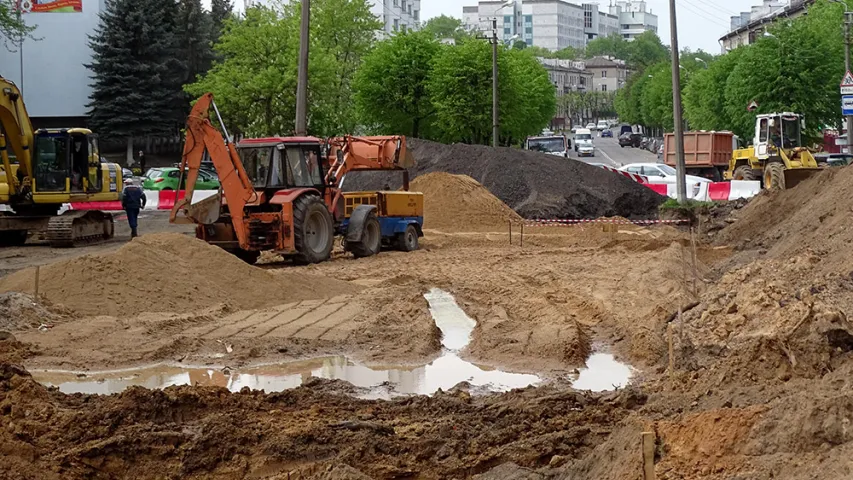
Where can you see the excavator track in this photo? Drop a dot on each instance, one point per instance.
(77, 228)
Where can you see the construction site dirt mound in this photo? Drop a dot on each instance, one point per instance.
(814, 214)
(533, 184)
(167, 273)
(20, 311)
(308, 432)
(455, 203)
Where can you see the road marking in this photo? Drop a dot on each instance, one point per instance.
(613, 162)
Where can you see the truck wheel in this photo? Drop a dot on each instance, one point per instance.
(371, 239)
(744, 172)
(313, 232)
(408, 240)
(248, 256)
(774, 176)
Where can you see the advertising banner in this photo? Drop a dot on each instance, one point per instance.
(50, 6)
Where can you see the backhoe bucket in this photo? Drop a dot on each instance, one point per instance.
(205, 211)
(793, 176)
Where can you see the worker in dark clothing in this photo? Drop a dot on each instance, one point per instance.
(132, 201)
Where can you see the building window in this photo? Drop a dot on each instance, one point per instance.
(507, 31)
(507, 19)
(396, 3)
(417, 15)
(410, 9)
(403, 28)
(603, 87)
(529, 41)
(528, 29)
(604, 74)
(396, 24)
(587, 19)
(625, 26)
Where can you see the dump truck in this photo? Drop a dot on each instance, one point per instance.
(776, 157)
(45, 169)
(706, 154)
(283, 194)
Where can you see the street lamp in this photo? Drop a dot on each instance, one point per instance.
(700, 60)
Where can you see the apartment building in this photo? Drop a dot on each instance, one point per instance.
(748, 26)
(607, 74)
(397, 15)
(634, 19)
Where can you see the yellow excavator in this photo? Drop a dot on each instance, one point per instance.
(44, 170)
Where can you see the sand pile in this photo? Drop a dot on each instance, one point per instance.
(815, 214)
(458, 203)
(531, 183)
(167, 273)
(18, 311)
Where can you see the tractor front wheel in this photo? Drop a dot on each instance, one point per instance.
(371, 239)
(774, 176)
(744, 172)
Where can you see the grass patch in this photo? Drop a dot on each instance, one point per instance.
(672, 210)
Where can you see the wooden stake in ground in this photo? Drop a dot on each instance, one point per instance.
(648, 451)
(510, 231)
(36, 287)
(695, 268)
(671, 353)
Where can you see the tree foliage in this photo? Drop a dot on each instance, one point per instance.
(195, 30)
(12, 27)
(612, 45)
(460, 88)
(443, 26)
(391, 95)
(583, 105)
(220, 11)
(136, 72)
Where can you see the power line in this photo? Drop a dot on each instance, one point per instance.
(717, 21)
(702, 11)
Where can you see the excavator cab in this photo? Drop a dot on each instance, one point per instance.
(66, 161)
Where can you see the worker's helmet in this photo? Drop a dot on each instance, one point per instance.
(128, 181)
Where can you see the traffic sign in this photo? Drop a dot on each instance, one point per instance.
(847, 90)
(753, 105)
(847, 105)
(847, 81)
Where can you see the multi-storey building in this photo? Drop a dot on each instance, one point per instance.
(633, 18)
(748, 26)
(608, 74)
(397, 15)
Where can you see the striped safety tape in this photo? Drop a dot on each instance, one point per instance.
(568, 222)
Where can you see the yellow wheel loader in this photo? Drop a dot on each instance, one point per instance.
(777, 156)
(44, 170)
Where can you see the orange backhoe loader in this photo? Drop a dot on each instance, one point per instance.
(283, 193)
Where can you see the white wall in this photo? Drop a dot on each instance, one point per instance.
(55, 81)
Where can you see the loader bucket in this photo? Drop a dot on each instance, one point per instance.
(793, 176)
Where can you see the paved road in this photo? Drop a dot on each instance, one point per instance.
(608, 152)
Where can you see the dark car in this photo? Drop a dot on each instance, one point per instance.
(606, 133)
(834, 159)
(630, 140)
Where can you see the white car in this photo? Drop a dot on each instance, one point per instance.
(603, 125)
(660, 173)
(590, 126)
(584, 145)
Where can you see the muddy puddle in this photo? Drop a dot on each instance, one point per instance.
(603, 372)
(444, 372)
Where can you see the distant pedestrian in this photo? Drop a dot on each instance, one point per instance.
(132, 201)
(141, 163)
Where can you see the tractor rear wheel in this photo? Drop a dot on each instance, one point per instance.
(774, 176)
(313, 232)
(744, 172)
(371, 239)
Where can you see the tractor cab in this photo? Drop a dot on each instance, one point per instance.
(777, 130)
(280, 163)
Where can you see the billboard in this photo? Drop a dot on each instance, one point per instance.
(50, 6)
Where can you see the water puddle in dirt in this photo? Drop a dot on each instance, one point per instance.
(443, 373)
(603, 372)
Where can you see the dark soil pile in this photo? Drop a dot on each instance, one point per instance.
(308, 432)
(533, 184)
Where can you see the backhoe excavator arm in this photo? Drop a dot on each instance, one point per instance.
(16, 130)
(366, 153)
(235, 183)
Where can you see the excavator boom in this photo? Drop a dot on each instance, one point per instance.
(366, 153)
(15, 131)
(235, 183)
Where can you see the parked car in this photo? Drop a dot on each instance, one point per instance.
(590, 126)
(630, 140)
(835, 159)
(625, 129)
(660, 173)
(607, 133)
(603, 125)
(167, 179)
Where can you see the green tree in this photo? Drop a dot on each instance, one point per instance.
(656, 96)
(443, 26)
(460, 87)
(519, 45)
(391, 95)
(195, 31)
(136, 88)
(645, 50)
(13, 29)
(220, 11)
(568, 53)
(704, 96)
(612, 45)
(539, 51)
(628, 99)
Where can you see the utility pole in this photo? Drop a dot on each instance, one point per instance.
(848, 19)
(302, 78)
(680, 181)
(496, 129)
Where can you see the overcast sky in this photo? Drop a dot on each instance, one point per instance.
(700, 22)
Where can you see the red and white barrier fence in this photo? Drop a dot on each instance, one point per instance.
(612, 221)
(702, 192)
(154, 200)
